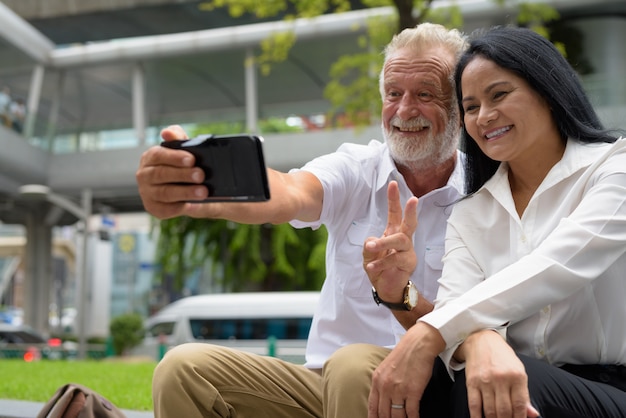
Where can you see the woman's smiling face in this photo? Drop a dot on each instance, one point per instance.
(507, 118)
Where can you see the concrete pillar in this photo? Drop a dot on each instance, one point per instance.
(252, 99)
(38, 256)
(55, 107)
(32, 104)
(139, 103)
(82, 278)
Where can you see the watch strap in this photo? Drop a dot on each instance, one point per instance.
(400, 306)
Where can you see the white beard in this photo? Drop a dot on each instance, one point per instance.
(430, 151)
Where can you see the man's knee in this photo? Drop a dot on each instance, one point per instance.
(180, 363)
(347, 378)
(354, 359)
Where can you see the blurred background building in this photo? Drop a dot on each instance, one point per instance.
(93, 83)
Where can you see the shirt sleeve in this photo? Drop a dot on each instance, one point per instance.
(345, 173)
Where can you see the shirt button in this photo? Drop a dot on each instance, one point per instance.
(523, 239)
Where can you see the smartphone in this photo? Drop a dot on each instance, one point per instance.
(233, 165)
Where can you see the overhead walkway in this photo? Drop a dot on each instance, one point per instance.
(109, 173)
(198, 76)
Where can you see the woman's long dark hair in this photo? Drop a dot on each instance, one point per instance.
(537, 61)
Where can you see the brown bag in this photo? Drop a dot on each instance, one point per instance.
(77, 401)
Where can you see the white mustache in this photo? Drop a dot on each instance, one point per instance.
(415, 124)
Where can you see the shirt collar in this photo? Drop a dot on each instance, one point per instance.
(389, 171)
(577, 156)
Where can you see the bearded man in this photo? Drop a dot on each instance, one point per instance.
(346, 191)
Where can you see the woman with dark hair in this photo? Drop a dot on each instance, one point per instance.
(536, 60)
(529, 318)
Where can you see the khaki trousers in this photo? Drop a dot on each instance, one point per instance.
(201, 380)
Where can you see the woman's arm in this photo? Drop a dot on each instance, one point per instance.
(497, 383)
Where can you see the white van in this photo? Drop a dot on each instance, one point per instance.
(269, 323)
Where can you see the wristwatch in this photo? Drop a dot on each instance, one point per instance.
(410, 298)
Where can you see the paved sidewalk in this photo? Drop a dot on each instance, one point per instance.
(25, 409)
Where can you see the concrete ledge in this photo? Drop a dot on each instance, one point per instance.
(26, 409)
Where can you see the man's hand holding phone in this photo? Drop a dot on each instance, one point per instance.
(233, 166)
(168, 179)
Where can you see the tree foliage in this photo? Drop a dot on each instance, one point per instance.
(243, 257)
(353, 86)
(126, 332)
(238, 256)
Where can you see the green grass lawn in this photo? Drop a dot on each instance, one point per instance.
(126, 384)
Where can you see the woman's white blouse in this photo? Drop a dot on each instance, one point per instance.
(554, 280)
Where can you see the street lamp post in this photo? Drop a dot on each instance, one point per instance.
(83, 213)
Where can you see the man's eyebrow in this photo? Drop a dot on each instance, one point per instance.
(429, 83)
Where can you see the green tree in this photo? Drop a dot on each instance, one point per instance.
(242, 257)
(126, 332)
(353, 86)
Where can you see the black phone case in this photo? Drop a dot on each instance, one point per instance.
(234, 166)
